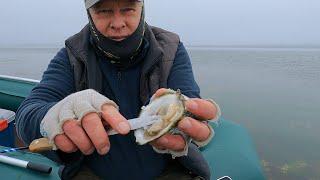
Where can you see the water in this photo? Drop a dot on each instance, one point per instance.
(274, 93)
(25, 62)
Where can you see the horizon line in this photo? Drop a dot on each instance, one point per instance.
(276, 46)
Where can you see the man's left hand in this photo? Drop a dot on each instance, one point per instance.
(196, 129)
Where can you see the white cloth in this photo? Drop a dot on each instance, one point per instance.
(74, 106)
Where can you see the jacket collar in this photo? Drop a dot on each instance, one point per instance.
(154, 53)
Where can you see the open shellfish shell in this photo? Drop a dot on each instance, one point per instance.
(170, 107)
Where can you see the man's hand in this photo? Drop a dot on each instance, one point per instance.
(91, 134)
(197, 130)
(74, 124)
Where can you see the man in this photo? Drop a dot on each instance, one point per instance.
(125, 61)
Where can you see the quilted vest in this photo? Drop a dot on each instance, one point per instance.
(155, 69)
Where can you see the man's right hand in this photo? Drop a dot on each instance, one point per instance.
(74, 124)
(91, 134)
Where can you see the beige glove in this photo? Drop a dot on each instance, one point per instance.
(74, 106)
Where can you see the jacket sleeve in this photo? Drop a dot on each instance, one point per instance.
(181, 74)
(57, 83)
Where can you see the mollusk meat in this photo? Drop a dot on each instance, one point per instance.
(170, 107)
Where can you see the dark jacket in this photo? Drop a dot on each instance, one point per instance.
(166, 64)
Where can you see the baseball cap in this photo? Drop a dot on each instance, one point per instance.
(90, 3)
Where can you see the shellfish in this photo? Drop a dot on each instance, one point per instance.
(170, 107)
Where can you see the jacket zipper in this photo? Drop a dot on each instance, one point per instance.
(119, 75)
(153, 65)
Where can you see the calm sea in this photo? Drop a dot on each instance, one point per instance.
(274, 93)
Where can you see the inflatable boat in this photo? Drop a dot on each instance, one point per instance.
(231, 152)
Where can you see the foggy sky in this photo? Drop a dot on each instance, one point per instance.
(198, 22)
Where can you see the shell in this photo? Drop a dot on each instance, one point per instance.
(170, 107)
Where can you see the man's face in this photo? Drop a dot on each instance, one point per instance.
(116, 19)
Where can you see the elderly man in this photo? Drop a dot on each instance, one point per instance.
(103, 76)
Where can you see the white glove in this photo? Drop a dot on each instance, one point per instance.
(74, 106)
